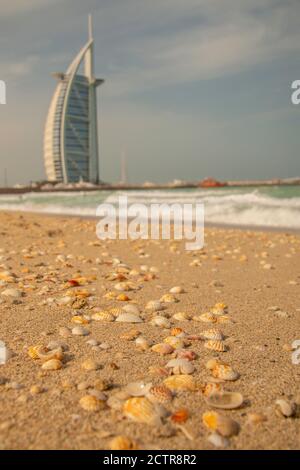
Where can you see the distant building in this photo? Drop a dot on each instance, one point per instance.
(71, 137)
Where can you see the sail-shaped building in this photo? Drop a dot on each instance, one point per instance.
(71, 136)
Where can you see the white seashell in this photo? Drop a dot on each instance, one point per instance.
(80, 331)
(130, 308)
(128, 318)
(286, 408)
(225, 400)
(160, 321)
(137, 389)
(176, 290)
(142, 343)
(154, 306)
(217, 440)
(212, 334)
(180, 366)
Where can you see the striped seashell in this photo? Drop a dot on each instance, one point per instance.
(162, 348)
(210, 388)
(128, 318)
(115, 311)
(103, 316)
(160, 321)
(141, 410)
(175, 342)
(206, 317)
(160, 394)
(225, 400)
(217, 346)
(224, 372)
(123, 443)
(224, 425)
(180, 366)
(181, 316)
(168, 298)
(33, 351)
(180, 382)
(213, 334)
(154, 306)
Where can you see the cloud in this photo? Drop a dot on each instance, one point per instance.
(20, 6)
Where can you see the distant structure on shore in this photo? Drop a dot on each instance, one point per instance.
(71, 137)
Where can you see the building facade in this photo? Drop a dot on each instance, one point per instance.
(71, 136)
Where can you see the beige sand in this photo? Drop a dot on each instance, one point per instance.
(259, 340)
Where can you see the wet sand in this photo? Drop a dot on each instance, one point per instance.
(251, 272)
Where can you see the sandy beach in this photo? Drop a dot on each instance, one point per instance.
(56, 276)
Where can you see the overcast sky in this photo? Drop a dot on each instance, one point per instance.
(193, 87)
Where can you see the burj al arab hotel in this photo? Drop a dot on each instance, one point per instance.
(71, 136)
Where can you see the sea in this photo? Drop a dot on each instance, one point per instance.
(261, 206)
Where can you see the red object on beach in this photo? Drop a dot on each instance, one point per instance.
(211, 183)
(73, 283)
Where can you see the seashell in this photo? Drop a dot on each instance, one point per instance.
(130, 308)
(213, 334)
(160, 321)
(141, 410)
(160, 394)
(224, 372)
(256, 418)
(128, 318)
(158, 371)
(116, 401)
(211, 363)
(224, 425)
(206, 317)
(103, 316)
(130, 335)
(182, 316)
(14, 293)
(177, 290)
(142, 343)
(223, 319)
(180, 366)
(45, 355)
(115, 311)
(175, 342)
(286, 409)
(123, 443)
(122, 298)
(180, 416)
(90, 364)
(137, 389)
(79, 320)
(154, 306)
(125, 286)
(218, 346)
(180, 382)
(217, 440)
(210, 388)
(225, 400)
(110, 295)
(32, 351)
(80, 331)
(185, 354)
(168, 298)
(177, 332)
(162, 348)
(91, 403)
(52, 364)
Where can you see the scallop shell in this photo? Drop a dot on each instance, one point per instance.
(123, 443)
(128, 318)
(176, 290)
(225, 400)
(224, 425)
(162, 348)
(206, 317)
(137, 389)
(224, 372)
(131, 308)
(103, 316)
(182, 316)
(91, 403)
(175, 342)
(213, 334)
(141, 410)
(154, 306)
(160, 394)
(33, 351)
(160, 321)
(218, 346)
(52, 364)
(168, 298)
(180, 366)
(180, 382)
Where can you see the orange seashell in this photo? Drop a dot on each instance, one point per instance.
(141, 410)
(122, 298)
(176, 331)
(180, 416)
(79, 320)
(180, 382)
(73, 283)
(162, 348)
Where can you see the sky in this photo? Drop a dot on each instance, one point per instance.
(193, 88)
